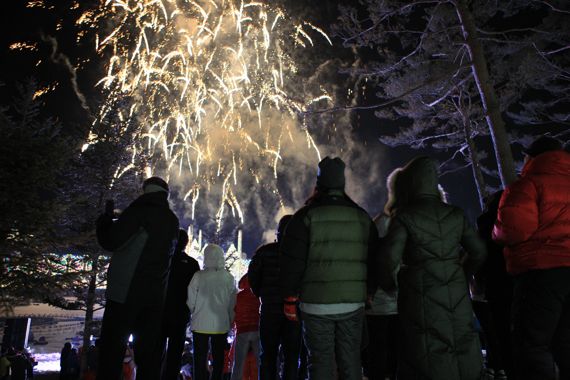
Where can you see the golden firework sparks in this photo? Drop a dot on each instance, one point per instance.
(205, 79)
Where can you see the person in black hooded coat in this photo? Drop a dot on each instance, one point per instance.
(142, 241)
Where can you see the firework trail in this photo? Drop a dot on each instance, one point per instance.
(205, 79)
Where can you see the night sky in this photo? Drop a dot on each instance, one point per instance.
(37, 25)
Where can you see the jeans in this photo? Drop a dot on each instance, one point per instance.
(218, 343)
(120, 320)
(242, 344)
(334, 340)
(276, 330)
(541, 324)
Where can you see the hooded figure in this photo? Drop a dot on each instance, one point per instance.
(211, 299)
(421, 255)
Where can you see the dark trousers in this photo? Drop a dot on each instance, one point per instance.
(541, 324)
(495, 319)
(382, 351)
(334, 340)
(276, 330)
(120, 320)
(176, 335)
(201, 343)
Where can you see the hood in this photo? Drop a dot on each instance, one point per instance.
(213, 257)
(557, 162)
(418, 178)
(244, 283)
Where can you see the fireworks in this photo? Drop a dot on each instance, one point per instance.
(207, 81)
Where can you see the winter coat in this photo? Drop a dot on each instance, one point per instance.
(325, 251)
(493, 276)
(182, 269)
(534, 215)
(383, 302)
(263, 275)
(247, 308)
(142, 240)
(212, 296)
(424, 239)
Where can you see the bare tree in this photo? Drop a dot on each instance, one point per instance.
(422, 55)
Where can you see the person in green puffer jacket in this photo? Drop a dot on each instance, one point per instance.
(421, 256)
(324, 262)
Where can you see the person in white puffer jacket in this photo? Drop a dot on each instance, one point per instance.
(211, 299)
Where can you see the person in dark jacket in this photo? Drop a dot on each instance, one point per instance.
(176, 312)
(421, 256)
(324, 260)
(142, 240)
(275, 330)
(534, 225)
(497, 287)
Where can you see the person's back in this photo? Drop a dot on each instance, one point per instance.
(211, 299)
(142, 240)
(263, 273)
(247, 326)
(324, 264)
(276, 332)
(534, 225)
(534, 215)
(176, 311)
(424, 241)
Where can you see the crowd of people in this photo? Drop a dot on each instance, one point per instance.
(412, 294)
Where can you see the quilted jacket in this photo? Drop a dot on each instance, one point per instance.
(424, 240)
(534, 215)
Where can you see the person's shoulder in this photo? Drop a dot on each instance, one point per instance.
(267, 249)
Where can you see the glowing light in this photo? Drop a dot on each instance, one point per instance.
(207, 80)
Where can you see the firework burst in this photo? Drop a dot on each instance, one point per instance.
(208, 83)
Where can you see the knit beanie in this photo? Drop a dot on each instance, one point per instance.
(331, 174)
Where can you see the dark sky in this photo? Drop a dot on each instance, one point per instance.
(33, 25)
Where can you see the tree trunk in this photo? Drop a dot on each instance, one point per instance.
(475, 165)
(487, 93)
(89, 309)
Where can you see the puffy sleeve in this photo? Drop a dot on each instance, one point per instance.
(193, 292)
(517, 219)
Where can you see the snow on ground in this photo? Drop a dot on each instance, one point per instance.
(47, 363)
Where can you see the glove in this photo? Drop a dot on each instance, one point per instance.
(290, 308)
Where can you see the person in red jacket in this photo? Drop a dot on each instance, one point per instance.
(247, 327)
(533, 223)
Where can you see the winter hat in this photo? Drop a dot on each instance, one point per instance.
(213, 256)
(154, 184)
(331, 174)
(282, 225)
(542, 145)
